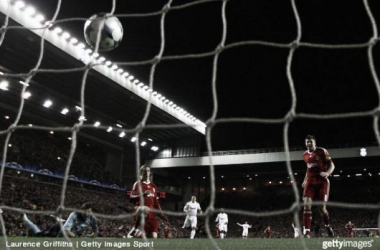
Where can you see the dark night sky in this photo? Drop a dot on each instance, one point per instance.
(251, 79)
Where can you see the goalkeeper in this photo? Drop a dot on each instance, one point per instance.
(77, 223)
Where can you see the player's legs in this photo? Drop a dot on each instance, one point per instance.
(244, 235)
(130, 234)
(309, 193)
(193, 221)
(52, 231)
(307, 215)
(150, 228)
(135, 232)
(326, 218)
(151, 225)
(186, 223)
(192, 233)
(323, 195)
(223, 231)
(296, 234)
(30, 226)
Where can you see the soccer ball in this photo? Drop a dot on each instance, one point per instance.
(110, 35)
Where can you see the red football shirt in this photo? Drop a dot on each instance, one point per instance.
(166, 232)
(317, 161)
(151, 199)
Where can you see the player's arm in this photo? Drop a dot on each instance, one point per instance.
(217, 218)
(330, 165)
(69, 225)
(95, 228)
(135, 192)
(304, 180)
(239, 224)
(200, 209)
(158, 206)
(186, 208)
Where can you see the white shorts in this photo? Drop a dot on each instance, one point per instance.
(223, 227)
(245, 233)
(190, 221)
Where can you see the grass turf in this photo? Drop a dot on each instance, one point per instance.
(196, 244)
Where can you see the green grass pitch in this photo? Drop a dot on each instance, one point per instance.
(17, 243)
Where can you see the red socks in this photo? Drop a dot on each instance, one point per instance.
(307, 218)
(326, 218)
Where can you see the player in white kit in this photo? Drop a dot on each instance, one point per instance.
(222, 220)
(296, 231)
(191, 208)
(245, 227)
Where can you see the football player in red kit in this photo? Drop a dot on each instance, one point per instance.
(166, 232)
(149, 191)
(268, 232)
(316, 185)
(349, 227)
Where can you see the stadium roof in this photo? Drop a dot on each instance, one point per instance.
(252, 80)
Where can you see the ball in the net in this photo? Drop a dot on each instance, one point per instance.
(111, 33)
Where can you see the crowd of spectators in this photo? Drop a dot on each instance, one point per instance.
(39, 150)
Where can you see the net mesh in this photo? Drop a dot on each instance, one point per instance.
(213, 120)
